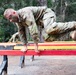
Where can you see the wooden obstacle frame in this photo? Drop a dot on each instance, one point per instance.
(50, 48)
(53, 48)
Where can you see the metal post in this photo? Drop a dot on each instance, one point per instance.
(4, 65)
(22, 63)
(32, 58)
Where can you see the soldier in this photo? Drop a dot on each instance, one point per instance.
(40, 21)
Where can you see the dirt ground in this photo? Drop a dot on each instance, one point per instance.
(42, 65)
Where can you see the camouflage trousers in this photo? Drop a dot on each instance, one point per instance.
(59, 37)
(58, 31)
(55, 31)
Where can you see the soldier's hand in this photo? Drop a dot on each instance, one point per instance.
(24, 49)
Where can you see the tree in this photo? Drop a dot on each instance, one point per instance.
(65, 11)
(42, 2)
(62, 7)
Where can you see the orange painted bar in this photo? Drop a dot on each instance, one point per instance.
(56, 44)
(7, 44)
(45, 44)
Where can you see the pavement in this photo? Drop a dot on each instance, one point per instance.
(42, 65)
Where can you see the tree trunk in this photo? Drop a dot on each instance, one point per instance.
(42, 2)
(59, 7)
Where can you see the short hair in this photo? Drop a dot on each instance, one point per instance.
(7, 11)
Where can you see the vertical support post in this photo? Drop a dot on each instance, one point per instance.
(32, 58)
(22, 61)
(4, 65)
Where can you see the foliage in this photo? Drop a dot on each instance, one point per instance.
(7, 28)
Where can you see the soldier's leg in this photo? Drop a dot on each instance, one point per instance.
(48, 19)
(59, 37)
(67, 36)
(60, 27)
(49, 24)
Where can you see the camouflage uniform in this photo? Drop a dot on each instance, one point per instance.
(54, 31)
(59, 31)
(41, 21)
(27, 19)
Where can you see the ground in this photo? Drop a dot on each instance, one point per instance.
(42, 65)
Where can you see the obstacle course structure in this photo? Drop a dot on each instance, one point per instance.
(51, 48)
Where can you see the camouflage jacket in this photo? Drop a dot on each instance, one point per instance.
(27, 19)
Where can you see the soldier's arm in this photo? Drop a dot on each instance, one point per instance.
(23, 37)
(30, 21)
(22, 34)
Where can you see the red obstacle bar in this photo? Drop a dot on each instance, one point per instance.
(32, 52)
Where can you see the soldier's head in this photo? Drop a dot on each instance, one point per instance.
(11, 15)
